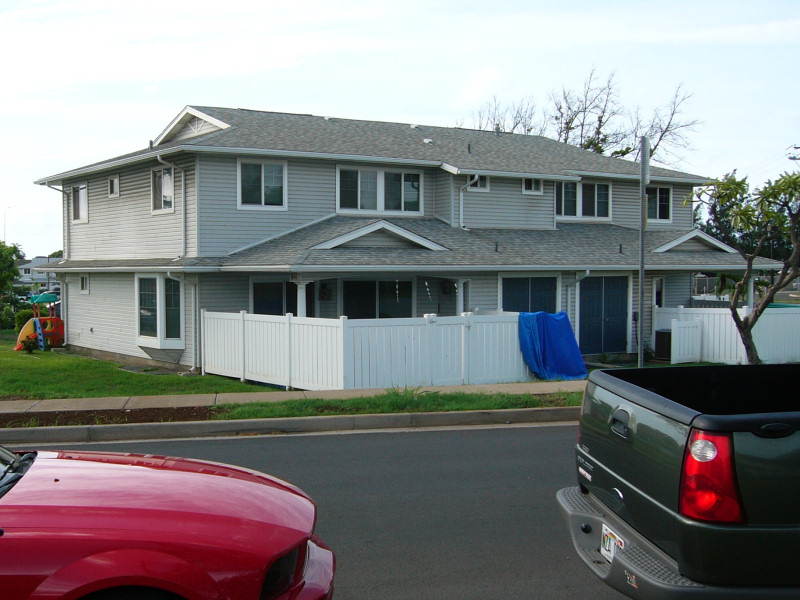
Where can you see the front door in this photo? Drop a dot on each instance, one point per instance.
(604, 315)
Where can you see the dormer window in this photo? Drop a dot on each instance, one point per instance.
(532, 186)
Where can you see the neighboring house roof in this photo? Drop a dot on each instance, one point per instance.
(457, 150)
(411, 244)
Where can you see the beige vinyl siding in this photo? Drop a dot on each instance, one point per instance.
(505, 206)
(225, 292)
(626, 206)
(124, 227)
(678, 289)
(444, 189)
(105, 318)
(223, 229)
(483, 293)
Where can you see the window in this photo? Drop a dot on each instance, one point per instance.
(159, 305)
(566, 198)
(262, 184)
(162, 189)
(279, 298)
(84, 284)
(391, 299)
(379, 190)
(113, 186)
(659, 200)
(479, 185)
(587, 200)
(529, 294)
(596, 200)
(532, 186)
(80, 203)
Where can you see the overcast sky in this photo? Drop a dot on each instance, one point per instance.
(86, 80)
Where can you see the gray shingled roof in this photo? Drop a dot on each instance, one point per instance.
(570, 247)
(467, 150)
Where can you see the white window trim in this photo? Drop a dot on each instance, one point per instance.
(84, 206)
(159, 341)
(115, 179)
(381, 171)
(579, 203)
(671, 204)
(473, 187)
(162, 210)
(84, 289)
(262, 206)
(533, 192)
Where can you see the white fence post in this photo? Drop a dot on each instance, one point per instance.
(428, 342)
(465, 347)
(347, 358)
(203, 341)
(289, 350)
(243, 345)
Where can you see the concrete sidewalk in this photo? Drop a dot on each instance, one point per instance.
(139, 431)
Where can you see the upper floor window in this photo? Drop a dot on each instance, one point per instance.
(261, 184)
(162, 189)
(84, 284)
(587, 200)
(532, 186)
(80, 203)
(113, 186)
(481, 184)
(379, 190)
(659, 201)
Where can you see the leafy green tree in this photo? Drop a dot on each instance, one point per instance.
(9, 254)
(752, 223)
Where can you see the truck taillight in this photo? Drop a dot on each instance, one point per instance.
(708, 481)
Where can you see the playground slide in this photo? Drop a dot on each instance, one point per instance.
(28, 330)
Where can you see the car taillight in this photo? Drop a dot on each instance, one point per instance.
(708, 481)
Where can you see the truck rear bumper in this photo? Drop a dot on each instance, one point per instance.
(639, 569)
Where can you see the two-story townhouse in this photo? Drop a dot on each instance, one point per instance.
(33, 273)
(273, 213)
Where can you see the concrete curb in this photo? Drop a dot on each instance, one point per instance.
(191, 429)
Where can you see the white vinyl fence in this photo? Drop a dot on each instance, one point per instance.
(710, 335)
(340, 354)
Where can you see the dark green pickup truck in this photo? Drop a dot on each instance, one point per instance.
(689, 481)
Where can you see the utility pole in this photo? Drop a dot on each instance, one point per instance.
(643, 181)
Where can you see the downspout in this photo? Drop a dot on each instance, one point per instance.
(461, 200)
(183, 202)
(574, 284)
(195, 325)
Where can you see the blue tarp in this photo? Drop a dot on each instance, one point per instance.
(549, 347)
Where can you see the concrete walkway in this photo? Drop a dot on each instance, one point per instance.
(138, 431)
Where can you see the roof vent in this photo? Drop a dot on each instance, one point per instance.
(327, 117)
(428, 140)
(414, 126)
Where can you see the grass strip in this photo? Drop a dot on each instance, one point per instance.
(394, 401)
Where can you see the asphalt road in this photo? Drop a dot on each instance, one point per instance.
(443, 515)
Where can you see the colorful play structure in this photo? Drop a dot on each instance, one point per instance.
(48, 331)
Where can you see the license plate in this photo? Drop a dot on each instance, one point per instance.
(610, 542)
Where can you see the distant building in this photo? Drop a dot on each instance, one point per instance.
(29, 276)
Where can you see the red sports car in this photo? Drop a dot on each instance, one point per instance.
(94, 525)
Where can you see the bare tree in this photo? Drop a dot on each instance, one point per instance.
(595, 119)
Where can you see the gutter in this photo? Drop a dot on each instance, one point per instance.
(183, 202)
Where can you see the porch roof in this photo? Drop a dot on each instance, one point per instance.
(430, 245)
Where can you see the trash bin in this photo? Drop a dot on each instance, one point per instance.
(663, 349)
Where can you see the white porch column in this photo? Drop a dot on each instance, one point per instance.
(751, 296)
(460, 296)
(301, 298)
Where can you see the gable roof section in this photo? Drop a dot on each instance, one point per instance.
(457, 150)
(189, 123)
(698, 235)
(382, 226)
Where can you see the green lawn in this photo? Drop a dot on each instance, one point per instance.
(395, 401)
(61, 375)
